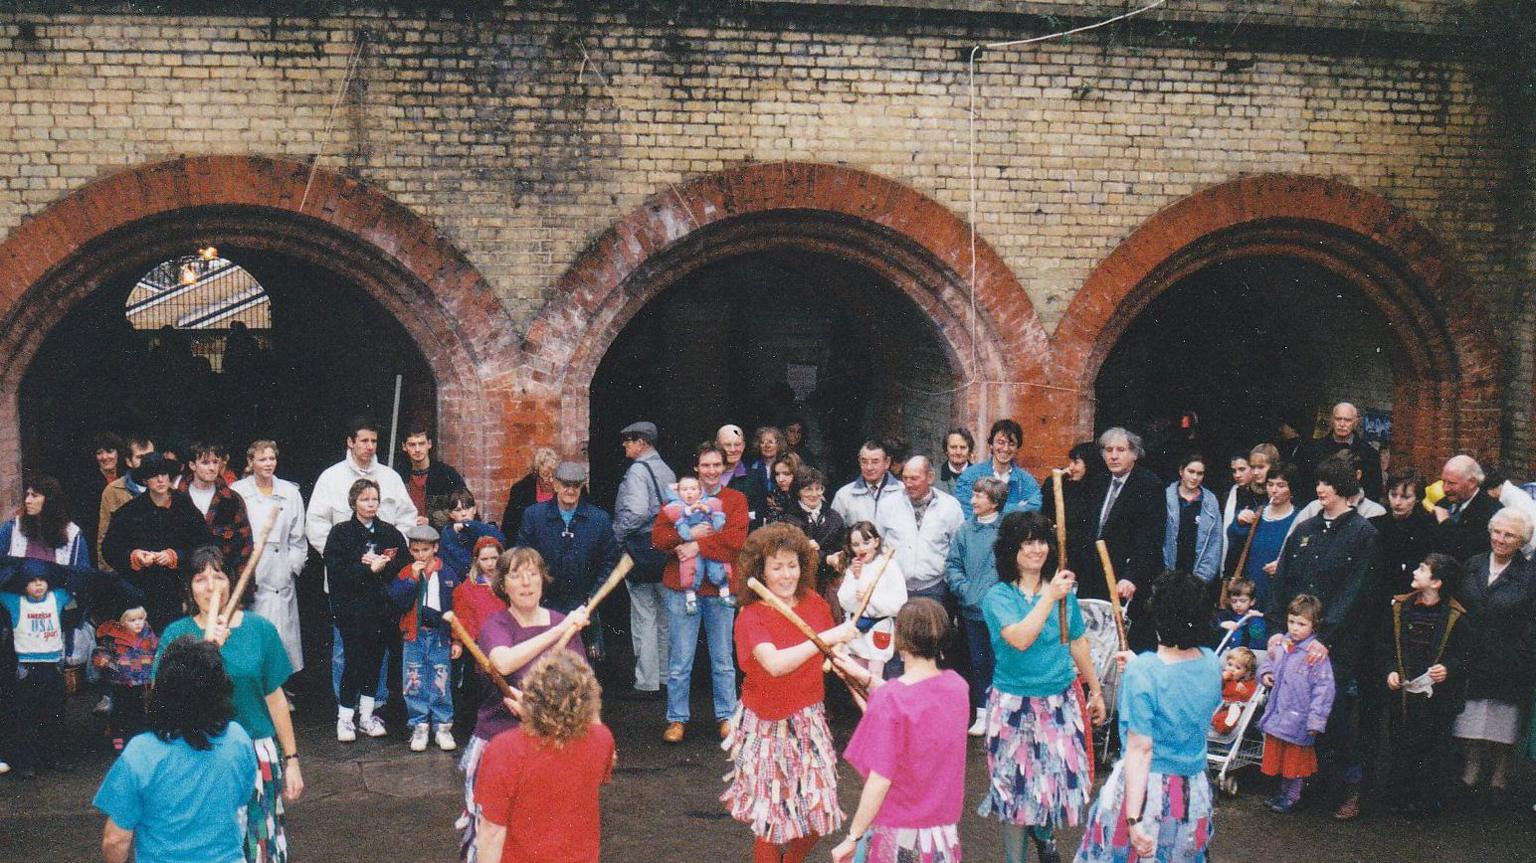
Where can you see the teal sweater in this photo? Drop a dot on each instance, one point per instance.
(971, 569)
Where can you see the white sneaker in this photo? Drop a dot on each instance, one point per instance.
(462, 823)
(979, 727)
(4, 768)
(419, 738)
(445, 739)
(373, 726)
(346, 732)
(103, 707)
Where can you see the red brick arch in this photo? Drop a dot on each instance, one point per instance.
(909, 239)
(1445, 390)
(57, 258)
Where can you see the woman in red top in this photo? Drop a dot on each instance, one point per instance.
(784, 783)
(538, 783)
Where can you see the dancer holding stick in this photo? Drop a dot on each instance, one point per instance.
(784, 780)
(510, 641)
(462, 635)
(257, 664)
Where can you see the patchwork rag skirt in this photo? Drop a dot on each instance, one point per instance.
(469, 763)
(1178, 810)
(783, 783)
(265, 839)
(909, 845)
(1037, 758)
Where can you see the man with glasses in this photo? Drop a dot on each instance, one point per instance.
(576, 540)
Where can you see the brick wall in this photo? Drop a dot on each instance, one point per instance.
(522, 134)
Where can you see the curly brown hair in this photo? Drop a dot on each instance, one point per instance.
(561, 698)
(768, 541)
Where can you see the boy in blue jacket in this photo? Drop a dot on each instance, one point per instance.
(423, 591)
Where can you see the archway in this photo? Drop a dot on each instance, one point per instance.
(332, 247)
(917, 253)
(1437, 336)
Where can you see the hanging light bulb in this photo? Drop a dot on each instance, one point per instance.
(208, 253)
(188, 274)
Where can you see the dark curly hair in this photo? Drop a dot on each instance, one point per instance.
(1180, 610)
(191, 698)
(764, 543)
(1013, 531)
(51, 526)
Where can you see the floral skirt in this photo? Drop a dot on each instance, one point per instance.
(1037, 758)
(470, 764)
(265, 839)
(784, 780)
(909, 845)
(1178, 811)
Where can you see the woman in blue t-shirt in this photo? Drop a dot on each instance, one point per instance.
(257, 664)
(175, 793)
(1157, 802)
(1037, 751)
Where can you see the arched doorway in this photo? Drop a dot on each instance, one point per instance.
(847, 236)
(1347, 251)
(335, 255)
(1224, 355)
(767, 336)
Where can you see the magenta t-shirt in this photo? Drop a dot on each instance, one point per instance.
(503, 630)
(915, 736)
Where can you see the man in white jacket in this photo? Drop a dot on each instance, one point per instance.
(328, 507)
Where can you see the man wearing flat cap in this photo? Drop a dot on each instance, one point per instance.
(577, 542)
(634, 510)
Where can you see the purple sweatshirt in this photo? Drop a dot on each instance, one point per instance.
(1298, 705)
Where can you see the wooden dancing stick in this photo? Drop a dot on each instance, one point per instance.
(1061, 543)
(462, 636)
(625, 564)
(1114, 592)
(1242, 559)
(250, 565)
(213, 608)
(857, 688)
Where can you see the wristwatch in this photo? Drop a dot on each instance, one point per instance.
(1132, 820)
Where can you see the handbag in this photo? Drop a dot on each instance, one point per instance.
(649, 563)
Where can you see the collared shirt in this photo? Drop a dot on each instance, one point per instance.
(919, 507)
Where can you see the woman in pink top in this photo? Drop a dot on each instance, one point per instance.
(910, 749)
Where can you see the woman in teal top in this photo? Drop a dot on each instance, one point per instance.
(1037, 751)
(257, 665)
(1157, 801)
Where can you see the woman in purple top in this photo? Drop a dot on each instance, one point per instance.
(512, 640)
(910, 749)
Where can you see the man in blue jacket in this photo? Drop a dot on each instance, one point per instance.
(576, 540)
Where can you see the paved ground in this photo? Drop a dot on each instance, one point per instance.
(376, 801)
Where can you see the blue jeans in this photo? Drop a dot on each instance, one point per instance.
(978, 646)
(718, 620)
(338, 662)
(425, 670)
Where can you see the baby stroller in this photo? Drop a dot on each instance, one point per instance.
(1103, 642)
(1242, 746)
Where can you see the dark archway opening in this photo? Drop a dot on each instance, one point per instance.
(331, 352)
(764, 336)
(1244, 345)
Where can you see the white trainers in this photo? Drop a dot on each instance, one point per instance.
(373, 726)
(979, 727)
(4, 768)
(445, 739)
(346, 732)
(419, 738)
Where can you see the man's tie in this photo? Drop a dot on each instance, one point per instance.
(1109, 503)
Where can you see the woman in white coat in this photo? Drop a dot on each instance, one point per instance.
(276, 596)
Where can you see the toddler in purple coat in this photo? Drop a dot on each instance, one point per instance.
(1300, 698)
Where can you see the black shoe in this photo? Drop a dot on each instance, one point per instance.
(1045, 849)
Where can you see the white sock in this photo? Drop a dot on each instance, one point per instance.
(364, 708)
(345, 713)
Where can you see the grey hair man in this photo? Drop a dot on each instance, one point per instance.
(640, 497)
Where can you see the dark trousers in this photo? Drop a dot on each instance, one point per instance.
(129, 711)
(978, 646)
(939, 593)
(1422, 757)
(1338, 749)
(39, 714)
(364, 642)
